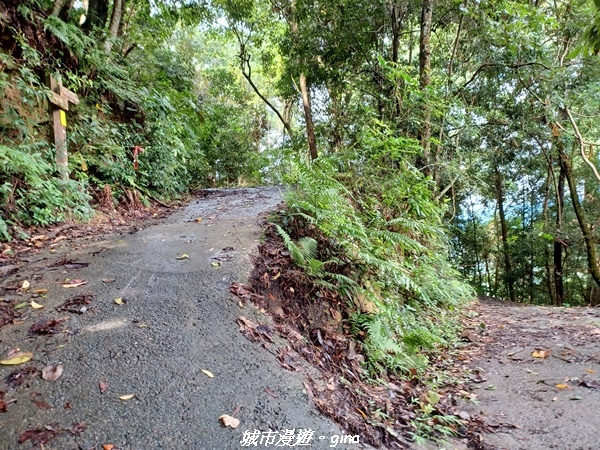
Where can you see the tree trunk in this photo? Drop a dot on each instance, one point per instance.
(397, 14)
(115, 23)
(559, 243)
(586, 228)
(508, 272)
(97, 14)
(58, 6)
(549, 266)
(310, 129)
(425, 81)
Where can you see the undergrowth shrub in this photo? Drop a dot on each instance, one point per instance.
(195, 126)
(387, 251)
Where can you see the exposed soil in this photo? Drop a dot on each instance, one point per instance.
(314, 322)
(534, 377)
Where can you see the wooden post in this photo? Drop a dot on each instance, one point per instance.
(60, 99)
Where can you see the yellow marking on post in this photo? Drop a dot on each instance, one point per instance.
(63, 118)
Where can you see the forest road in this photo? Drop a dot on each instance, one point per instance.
(534, 377)
(177, 319)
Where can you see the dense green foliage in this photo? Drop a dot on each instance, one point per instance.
(385, 246)
(193, 131)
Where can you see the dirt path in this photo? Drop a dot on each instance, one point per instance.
(176, 321)
(535, 377)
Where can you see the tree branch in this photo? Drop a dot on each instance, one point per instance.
(582, 144)
(510, 66)
(247, 73)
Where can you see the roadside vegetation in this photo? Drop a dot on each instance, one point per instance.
(434, 150)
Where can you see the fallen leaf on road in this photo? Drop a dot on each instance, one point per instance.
(17, 377)
(52, 373)
(120, 301)
(21, 305)
(199, 219)
(126, 397)
(184, 256)
(562, 386)
(575, 397)
(208, 373)
(590, 370)
(77, 304)
(40, 291)
(35, 305)
(42, 405)
(464, 415)
(76, 265)
(17, 358)
(229, 421)
(46, 326)
(41, 435)
(591, 384)
(108, 447)
(468, 335)
(271, 392)
(541, 354)
(215, 264)
(103, 386)
(75, 283)
(25, 285)
(77, 428)
(108, 280)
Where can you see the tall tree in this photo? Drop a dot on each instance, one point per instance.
(425, 81)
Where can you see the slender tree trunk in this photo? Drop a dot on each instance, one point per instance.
(508, 271)
(497, 265)
(549, 263)
(586, 228)
(310, 129)
(397, 14)
(425, 81)
(558, 242)
(115, 23)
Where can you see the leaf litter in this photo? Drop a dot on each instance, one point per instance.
(77, 304)
(52, 373)
(17, 358)
(40, 435)
(46, 327)
(20, 376)
(319, 336)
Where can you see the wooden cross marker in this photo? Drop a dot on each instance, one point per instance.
(60, 99)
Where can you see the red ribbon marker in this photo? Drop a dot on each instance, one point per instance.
(136, 151)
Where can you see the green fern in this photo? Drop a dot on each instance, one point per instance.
(386, 225)
(68, 34)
